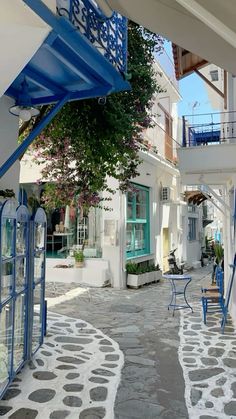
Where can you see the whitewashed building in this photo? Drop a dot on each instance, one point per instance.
(207, 159)
(141, 226)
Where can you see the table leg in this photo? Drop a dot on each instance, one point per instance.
(185, 296)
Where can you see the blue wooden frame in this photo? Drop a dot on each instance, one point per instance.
(38, 252)
(225, 306)
(213, 298)
(135, 253)
(21, 240)
(71, 64)
(18, 216)
(31, 137)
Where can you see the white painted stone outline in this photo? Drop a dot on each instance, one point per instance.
(229, 373)
(30, 384)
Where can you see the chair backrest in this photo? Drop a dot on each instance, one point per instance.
(220, 280)
(230, 284)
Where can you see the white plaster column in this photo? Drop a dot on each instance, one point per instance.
(9, 127)
(113, 244)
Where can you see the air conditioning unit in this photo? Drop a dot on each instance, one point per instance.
(166, 194)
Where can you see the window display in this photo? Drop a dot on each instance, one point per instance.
(21, 274)
(21, 237)
(39, 236)
(7, 279)
(19, 330)
(16, 283)
(5, 344)
(7, 237)
(37, 317)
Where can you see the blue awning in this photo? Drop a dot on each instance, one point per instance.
(67, 62)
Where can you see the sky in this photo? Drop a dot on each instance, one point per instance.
(192, 90)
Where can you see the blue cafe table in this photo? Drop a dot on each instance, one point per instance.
(179, 285)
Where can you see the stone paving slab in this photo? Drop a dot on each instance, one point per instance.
(74, 375)
(208, 359)
(152, 384)
(174, 367)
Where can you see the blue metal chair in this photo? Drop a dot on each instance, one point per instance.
(225, 307)
(213, 297)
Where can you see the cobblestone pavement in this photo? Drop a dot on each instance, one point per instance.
(74, 375)
(174, 367)
(152, 384)
(208, 359)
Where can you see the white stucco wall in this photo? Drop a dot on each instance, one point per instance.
(23, 33)
(154, 175)
(9, 126)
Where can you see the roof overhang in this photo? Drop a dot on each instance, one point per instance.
(207, 28)
(196, 197)
(186, 62)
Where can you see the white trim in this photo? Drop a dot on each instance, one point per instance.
(209, 20)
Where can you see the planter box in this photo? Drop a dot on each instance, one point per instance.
(136, 281)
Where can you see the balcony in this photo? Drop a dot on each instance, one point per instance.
(208, 129)
(208, 148)
(156, 140)
(108, 35)
(84, 54)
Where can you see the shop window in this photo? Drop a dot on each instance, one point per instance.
(137, 227)
(192, 229)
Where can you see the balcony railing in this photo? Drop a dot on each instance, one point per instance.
(156, 140)
(208, 129)
(108, 35)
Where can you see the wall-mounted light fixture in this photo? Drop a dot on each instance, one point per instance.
(23, 107)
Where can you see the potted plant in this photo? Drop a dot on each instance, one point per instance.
(79, 258)
(138, 275)
(219, 254)
(157, 273)
(219, 259)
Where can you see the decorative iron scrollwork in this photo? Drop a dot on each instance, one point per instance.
(108, 35)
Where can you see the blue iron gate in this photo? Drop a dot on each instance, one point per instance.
(22, 278)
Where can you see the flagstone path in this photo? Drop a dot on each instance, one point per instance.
(74, 375)
(208, 359)
(174, 367)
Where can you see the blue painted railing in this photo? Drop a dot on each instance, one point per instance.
(210, 128)
(108, 35)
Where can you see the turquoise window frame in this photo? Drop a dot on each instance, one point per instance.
(133, 221)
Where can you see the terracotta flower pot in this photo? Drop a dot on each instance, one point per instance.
(79, 264)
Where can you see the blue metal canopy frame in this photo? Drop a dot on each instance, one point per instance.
(34, 133)
(68, 62)
(66, 67)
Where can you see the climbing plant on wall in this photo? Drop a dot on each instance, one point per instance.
(88, 142)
